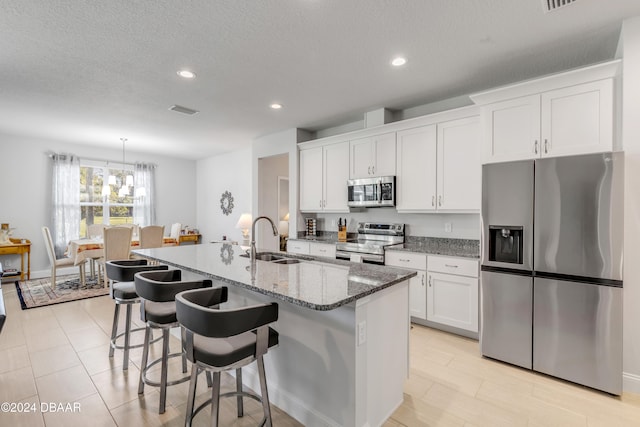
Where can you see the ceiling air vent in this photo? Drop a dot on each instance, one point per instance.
(551, 5)
(183, 110)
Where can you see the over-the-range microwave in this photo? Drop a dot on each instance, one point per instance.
(372, 192)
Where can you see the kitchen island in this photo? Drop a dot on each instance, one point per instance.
(344, 330)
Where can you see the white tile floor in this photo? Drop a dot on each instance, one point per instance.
(60, 354)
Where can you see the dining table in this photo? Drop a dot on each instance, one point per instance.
(81, 250)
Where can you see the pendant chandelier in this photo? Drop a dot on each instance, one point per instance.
(127, 181)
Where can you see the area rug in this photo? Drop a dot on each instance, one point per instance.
(38, 293)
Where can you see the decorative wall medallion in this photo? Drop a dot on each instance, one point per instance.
(226, 254)
(226, 203)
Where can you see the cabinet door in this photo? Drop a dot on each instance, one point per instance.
(512, 129)
(416, 170)
(418, 296)
(459, 165)
(361, 151)
(297, 247)
(385, 155)
(453, 300)
(336, 175)
(311, 180)
(578, 119)
(322, 250)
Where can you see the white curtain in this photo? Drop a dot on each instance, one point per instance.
(144, 201)
(66, 201)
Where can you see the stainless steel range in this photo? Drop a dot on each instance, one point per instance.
(373, 238)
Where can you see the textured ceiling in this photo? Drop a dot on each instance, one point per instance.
(92, 72)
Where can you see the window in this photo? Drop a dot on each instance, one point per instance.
(114, 206)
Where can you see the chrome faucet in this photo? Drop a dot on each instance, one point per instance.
(253, 234)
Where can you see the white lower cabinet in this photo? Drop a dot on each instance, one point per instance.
(452, 292)
(417, 285)
(298, 247)
(327, 250)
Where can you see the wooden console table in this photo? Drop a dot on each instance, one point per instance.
(195, 238)
(16, 247)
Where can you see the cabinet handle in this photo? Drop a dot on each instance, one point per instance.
(403, 260)
(373, 170)
(369, 170)
(320, 203)
(423, 280)
(439, 200)
(546, 143)
(451, 266)
(535, 147)
(429, 281)
(433, 200)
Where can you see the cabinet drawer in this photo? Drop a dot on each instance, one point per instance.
(406, 259)
(322, 249)
(297, 247)
(460, 266)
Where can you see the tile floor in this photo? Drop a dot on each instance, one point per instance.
(59, 354)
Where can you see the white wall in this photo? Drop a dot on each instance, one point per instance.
(25, 185)
(630, 49)
(227, 172)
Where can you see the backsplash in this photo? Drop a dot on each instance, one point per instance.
(463, 226)
(438, 245)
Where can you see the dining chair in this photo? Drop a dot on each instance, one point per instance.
(175, 231)
(116, 242)
(151, 236)
(217, 340)
(57, 263)
(95, 230)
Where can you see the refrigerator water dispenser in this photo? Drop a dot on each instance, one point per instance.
(505, 244)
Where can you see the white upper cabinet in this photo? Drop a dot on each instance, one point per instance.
(560, 115)
(416, 177)
(577, 119)
(512, 129)
(459, 165)
(311, 179)
(439, 167)
(324, 172)
(373, 156)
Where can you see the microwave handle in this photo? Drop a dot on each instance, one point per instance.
(379, 191)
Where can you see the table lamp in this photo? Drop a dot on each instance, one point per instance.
(244, 223)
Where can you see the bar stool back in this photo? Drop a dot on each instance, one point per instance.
(157, 291)
(218, 340)
(123, 291)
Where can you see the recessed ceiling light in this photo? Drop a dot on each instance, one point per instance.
(187, 74)
(398, 62)
(276, 106)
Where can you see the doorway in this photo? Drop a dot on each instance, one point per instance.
(273, 199)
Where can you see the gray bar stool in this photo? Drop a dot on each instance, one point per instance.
(123, 291)
(157, 291)
(218, 340)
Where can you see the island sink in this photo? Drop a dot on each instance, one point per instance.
(270, 257)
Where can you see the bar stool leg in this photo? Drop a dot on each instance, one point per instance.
(215, 399)
(127, 334)
(114, 329)
(264, 393)
(163, 374)
(191, 400)
(145, 359)
(239, 389)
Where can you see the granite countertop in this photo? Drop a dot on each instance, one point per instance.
(317, 285)
(439, 246)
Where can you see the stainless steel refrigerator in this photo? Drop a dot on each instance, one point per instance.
(551, 273)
